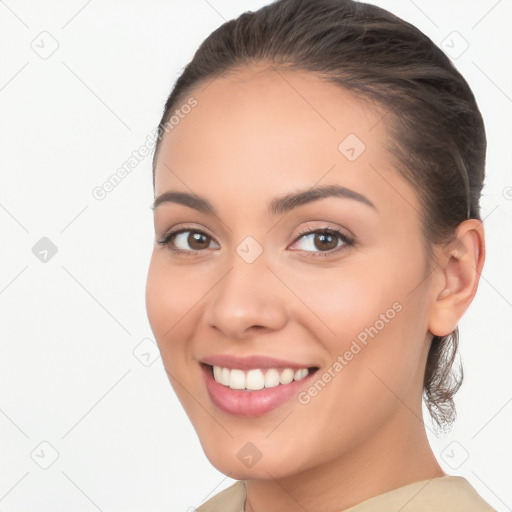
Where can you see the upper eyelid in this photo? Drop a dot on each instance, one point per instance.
(301, 232)
(305, 230)
(340, 230)
(186, 227)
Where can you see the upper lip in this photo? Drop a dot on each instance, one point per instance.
(250, 362)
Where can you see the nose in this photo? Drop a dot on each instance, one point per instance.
(248, 299)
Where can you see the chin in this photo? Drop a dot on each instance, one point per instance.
(262, 470)
(242, 460)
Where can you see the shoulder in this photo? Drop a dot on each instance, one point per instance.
(231, 499)
(443, 494)
(457, 494)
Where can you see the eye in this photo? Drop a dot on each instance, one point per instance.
(186, 241)
(319, 242)
(323, 242)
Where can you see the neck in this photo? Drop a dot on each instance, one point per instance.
(394, 457)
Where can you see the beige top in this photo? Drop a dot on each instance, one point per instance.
(443, 494)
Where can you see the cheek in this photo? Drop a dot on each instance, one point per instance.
(371, 326)
(170, 300)
(344, 303)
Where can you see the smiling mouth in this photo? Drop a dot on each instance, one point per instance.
(257, 379)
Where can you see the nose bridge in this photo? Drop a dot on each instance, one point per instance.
(248, 295)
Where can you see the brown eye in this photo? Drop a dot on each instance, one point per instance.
(187, 241)
(322, 242)
(325, 241)
(198, 241)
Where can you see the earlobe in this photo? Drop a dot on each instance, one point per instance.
(460, 266)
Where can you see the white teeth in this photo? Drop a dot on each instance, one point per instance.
(271, 378)
(224, 376)
(286, 376)
(237, 379)
(255, 379)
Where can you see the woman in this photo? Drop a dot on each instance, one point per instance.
(318, 237)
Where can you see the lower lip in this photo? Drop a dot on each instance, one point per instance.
(250, 403)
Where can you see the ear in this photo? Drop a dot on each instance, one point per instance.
(460, 266)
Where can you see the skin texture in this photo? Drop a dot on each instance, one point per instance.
(255, 135)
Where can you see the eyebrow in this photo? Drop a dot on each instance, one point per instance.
(277, 206)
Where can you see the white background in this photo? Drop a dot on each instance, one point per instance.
(69, 376)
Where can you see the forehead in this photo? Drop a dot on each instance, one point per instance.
(277, 107)
(263, 128)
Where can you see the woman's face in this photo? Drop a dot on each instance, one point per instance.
(346, 316)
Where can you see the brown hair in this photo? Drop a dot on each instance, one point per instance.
(438, 135)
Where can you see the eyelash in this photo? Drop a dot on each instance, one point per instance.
(347, 241)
